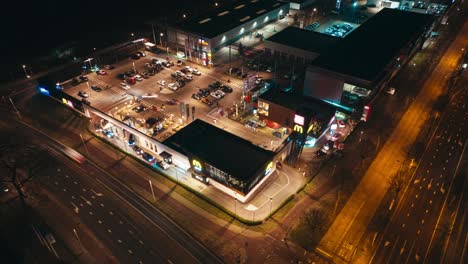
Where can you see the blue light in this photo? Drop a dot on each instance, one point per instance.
(43, 90)
(355, 4)
(341, 106)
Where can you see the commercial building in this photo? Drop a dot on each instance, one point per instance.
(358, 66)
(200, 37)
(308, 117)
(298, 44)
(299, 4)
(347, 72)
(224, 160)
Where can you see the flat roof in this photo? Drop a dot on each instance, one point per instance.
(304, 39)
(321, 111)
(220, 20)
(223, 150)
(367, 50)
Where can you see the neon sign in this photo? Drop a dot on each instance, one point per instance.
(197, 165)
(298, 129)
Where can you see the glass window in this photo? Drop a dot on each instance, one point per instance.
(263, 108)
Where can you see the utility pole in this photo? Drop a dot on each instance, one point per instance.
(14, 107)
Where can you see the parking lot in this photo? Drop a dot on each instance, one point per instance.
(152, 107)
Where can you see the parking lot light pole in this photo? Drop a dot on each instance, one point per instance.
(160, 38)
(152, 190)
(134, 68)
(271, 204)
(25, 73)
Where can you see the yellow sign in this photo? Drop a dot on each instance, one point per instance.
(298, 129)
(269, 167)
(197, 165)
(310, 128)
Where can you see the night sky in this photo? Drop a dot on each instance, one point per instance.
(31, 28)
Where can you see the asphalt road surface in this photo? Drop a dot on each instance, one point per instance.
(95, 196)
(413, 232)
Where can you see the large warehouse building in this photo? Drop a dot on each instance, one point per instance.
(201, 36)
(348, 72)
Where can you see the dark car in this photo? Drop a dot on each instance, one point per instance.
(85, 101)
(109, 67)
(148, 157)
(226, 89)
(135, 56)
(137, 149)
(96, 88)
(215, 85)
(319, 153)
(196, 96)
(131, 140)
(122, 76)
(139, 109)
(83, 78)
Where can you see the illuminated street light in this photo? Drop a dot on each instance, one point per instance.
(160, 38)
(25, 73)
(216, 4)
(184, 16)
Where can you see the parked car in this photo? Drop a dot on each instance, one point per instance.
(148, 157)
(162, 82)
(196, 72)
(83, 78)
(124, 85)
(101, 72)
(108, 133)
(138, 77)
(141, 53)
(85, 101)
(188, 77)
(173, 86)
(83, 94)
(139, 109)
(391, 90)
(162, 164)
(96, 88)
(226, 89)
(207, 101)
(179, 62)
(109, 67)
(137, 150)
(196, 96)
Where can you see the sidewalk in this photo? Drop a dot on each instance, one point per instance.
(343, 236)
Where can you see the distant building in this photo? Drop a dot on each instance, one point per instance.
(199, 37)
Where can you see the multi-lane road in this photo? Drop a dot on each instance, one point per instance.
(416, 230)
(96, 197)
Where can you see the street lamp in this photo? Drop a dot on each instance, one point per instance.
(271, 204)
(160, 38)
(25, 73)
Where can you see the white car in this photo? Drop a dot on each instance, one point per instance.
(173, 86)
(162, 82)
(189, 77)
(138, 78)
(217, 94)
(196, 72)
(189, 68)
(163, 164)
(124, 85)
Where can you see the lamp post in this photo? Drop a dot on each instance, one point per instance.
(152, 191)
(271, 204)
(25, 73)
(160, 38)
(84, 145)
(235, 206)
(134, 68)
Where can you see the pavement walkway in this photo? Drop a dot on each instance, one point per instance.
(342, 238)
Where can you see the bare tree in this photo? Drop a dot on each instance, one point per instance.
(19, 160)
(315, 219)
(397, 181)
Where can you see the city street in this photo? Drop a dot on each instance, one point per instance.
(342, 240)
(410, 235)
(93, 195)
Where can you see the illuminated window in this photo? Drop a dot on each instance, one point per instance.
(263, 108)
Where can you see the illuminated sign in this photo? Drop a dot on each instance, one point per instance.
(67, 102)
(310, 128)
(269, 168)
(44, 91)
(202, 42)
(197, 165)
(298, 129)
(299, 120)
